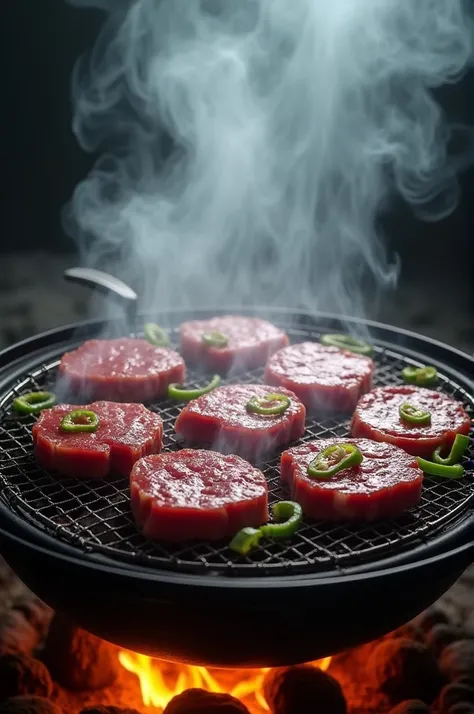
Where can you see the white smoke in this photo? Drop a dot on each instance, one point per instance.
(293, 124)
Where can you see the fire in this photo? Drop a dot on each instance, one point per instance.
(161, 681)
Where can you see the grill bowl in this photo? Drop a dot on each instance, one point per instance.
(71, 521)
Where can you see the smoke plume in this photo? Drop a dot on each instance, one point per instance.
(249, 147)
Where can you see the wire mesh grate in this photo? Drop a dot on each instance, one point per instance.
(95, 516)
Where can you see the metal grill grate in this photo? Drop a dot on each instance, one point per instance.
(96, 517)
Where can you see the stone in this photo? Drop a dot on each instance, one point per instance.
(21, 674)
(455, 694)
(410, 706)
(29, 705)
(404, 669)
(290, 691)
(198, 701)
(78, 660)
(457, 661)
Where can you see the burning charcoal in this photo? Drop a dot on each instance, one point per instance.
(78, 660)
(429, 618)
(29, 705)
(403, 669)
(455, 694)
(457, 661)
(36, 612)
(442, 635)
(198, 701)
(410, 706)
(410, 631)
(461, 709)
(17, 634)
(106, 710)
(20, 674)
(293, 690)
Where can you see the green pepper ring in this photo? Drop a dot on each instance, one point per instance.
(254, 405)
(353, 458)
(413, 415)
(176, 391)
(346, 342)
(69, 423)
(155, 335)
(34, 402)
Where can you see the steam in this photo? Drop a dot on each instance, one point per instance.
(294, 123)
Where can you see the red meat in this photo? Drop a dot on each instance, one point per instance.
(220, 419)
(196, 494)
(121, 370)
(377, 417)
(387, 482)
(126, 432)
(250, 342)
(325, 378)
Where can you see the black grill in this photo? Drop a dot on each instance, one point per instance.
(95, 515)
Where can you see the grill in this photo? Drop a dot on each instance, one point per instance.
(95, 516)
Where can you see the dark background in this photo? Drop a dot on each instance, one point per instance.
(41, 164)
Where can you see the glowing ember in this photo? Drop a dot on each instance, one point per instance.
(161, 681)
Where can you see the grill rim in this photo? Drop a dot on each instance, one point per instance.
(451, 544)
(35, 348)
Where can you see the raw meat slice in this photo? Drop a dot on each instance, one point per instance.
(250, 342)
(387, 482)
(121, 370)
(377, 417)
(196, 494)
(325, 378)
(220, 419)
(126, 432)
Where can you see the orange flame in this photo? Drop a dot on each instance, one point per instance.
(160, 682)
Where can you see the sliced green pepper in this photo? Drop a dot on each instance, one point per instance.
(290, 515)
(428, 467)
(215, 339)
(414, 415)
(176, 391)
(421, 376)
(34, 402)
(80, 420)
(156, 335)
(346, 342)
(288, 512)
(461, 443)
(269, 404)
(246, 539)
(333, 459)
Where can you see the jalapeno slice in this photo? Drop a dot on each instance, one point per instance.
(245, 540)
(428, 467)
(346, 342)
(421, 376)
(269, 404)
(288, 515)
(176, 391)
(156, 335)
(288, 512)
(459, 447)
(215, 339)
(414, 415)
(34, 402)
(80, 420)
(333, 459)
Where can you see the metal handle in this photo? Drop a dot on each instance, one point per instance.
(103, 282)
(106, 284)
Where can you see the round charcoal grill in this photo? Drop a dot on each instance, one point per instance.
(330, 587)
(95, 515)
